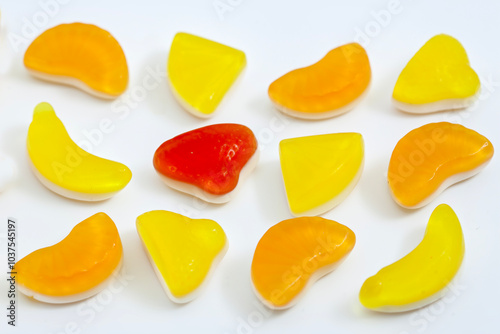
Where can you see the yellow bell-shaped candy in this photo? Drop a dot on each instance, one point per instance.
(438, 77)
(182, 251)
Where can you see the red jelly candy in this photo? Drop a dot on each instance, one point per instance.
(207, 162)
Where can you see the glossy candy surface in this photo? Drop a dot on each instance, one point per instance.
(75, 268)
(182, 251)
(431, 158)
(65, 168)
(330, 87)
(293, 254)
(420, 277)
(208, 162)
(201, 72)
(80, 55)
(438, 77)
(320, 171)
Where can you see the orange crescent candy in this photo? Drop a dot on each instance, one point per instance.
(77, 267)
(431, 158)
(295, 253)
(80, 55)
(330, 87)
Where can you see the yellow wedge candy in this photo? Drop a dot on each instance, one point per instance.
(320, 171)
(182, 251)
(421, 277)
(201, 71)
(63, 167)
(438, 77)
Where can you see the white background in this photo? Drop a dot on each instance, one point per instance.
(277, 36)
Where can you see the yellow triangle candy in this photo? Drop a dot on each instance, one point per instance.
(182, 251)
(201, 72)
(320, 171)
(438, 77)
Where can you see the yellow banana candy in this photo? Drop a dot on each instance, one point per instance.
(420, 277)
(65, 168)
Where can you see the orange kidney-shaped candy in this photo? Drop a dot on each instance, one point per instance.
(80, 55)
(431, 158)
(77, 267)
(330, 87)
(295, 253)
